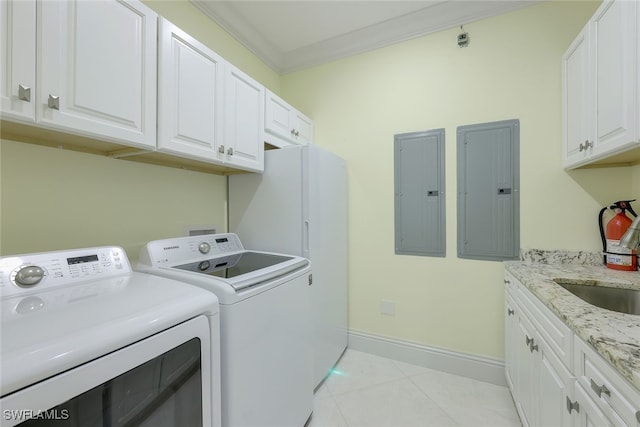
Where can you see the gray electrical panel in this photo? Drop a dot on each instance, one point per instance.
(419, 193)
(489, 191)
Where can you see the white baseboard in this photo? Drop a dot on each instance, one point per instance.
(467, 365)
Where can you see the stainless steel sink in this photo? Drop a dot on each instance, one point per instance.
(600, 295)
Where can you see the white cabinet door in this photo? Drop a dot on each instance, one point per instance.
(190, 95)
(303, 128)
(554, 387)
(539, 380)
(614, 44)
(525, 370)
(601, 86)
(286, 123)
(510, 329)
(244, 121)
(575, 98)
(278, 116)
(18, 59)
(97, 69)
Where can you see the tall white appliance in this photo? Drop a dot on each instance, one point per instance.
(298, 206)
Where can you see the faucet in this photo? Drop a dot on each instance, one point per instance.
(631, 238)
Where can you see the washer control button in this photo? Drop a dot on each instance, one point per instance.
(204, 247)
(29, 276)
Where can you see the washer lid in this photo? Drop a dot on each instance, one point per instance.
(246, 269)
(45, 333)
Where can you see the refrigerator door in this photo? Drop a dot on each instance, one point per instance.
(327, 218)
(298, 206)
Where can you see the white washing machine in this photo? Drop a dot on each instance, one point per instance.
(266, 355)
(87, 341)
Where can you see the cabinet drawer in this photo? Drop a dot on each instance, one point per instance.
(611, 393)
(553, 330)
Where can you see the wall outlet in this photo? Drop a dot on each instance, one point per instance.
(387, 308)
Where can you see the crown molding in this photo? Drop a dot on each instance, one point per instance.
(433, 18)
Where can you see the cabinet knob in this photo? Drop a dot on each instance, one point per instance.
(24, 93)
(585, 146)
(230, 151)
(54, 102)
(297, 133)
(221, 149)
(507, 281)
(572, 406)
(528, 340)
(510, 312)
(533, 347)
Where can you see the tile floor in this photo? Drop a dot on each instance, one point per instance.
(371, 391)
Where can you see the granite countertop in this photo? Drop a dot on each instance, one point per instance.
(615, 336)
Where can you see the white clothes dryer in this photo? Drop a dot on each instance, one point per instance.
(266, 354)
(87, 341)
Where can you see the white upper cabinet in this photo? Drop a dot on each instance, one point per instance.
(615, 83)
(112, 71)
(208, 110)
(284, 124)
(575, 64)
(18, 59)
(97, 69)
(243, 120)
(601, 86)
(190, 92)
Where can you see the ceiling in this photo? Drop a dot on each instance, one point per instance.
(296, 34)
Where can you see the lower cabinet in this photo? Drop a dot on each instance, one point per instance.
(541, 381)
(576, 388)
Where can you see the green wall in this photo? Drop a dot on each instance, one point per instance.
(511, 69)
(55, 199)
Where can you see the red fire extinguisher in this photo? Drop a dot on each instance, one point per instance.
(617, 257)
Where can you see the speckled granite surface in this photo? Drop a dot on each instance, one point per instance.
(561, 257)
(615, 336)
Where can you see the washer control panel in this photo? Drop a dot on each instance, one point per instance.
(20, 274)
(170, 252)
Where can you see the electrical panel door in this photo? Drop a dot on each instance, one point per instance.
(419, 193)
(489, 191)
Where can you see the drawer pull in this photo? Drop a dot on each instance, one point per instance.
(510, 312)
(529, 341)
(572, 406)
(638, 416)
(600, 390)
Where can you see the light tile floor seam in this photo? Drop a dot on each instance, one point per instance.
(372, 391)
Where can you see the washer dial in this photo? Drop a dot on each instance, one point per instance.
(29, 275)
(204, 247)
